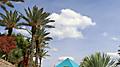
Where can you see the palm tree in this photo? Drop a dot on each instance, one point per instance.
(9, 20)
(42, 55)
(23, 44)
(37, 19)
(41, 40)
(97, 60)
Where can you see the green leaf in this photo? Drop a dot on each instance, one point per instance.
(49, 26)
(45, 34)
(10, 4)
(48, 38)
(23, 24)
(25, 18)
(1, 23)
(17, 0)
(3, 7)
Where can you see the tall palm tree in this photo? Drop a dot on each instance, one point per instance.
(37, 19)
(9, 20)
(97, 60)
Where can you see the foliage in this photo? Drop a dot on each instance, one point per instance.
(7, 43)
(8, 2)
(97, 60)
(9, 20)
(22, 42)
(22, 49)
(15, 56)
(38, 20)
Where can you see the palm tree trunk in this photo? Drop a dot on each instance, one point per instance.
(10, 31)
(32, 47)
(31, 52)
(36, 55)
(40, 62)
(36, 61)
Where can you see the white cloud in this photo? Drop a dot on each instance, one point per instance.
(69, 23)
(65, 57)
(115, 39)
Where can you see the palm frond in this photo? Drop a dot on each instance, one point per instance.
(23, 24)
(48, 38)
(25, 18)
(1, 23)
(9, 4)
(49, 26)
(3, 7)
(17, 0)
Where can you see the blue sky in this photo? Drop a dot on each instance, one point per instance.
(104, 36)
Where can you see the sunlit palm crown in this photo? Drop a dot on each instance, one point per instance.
(36, 18)
(97, 60)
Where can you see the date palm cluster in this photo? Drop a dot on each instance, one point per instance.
(25, 48)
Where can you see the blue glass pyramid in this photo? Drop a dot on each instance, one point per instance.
(67, 63)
